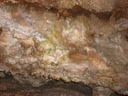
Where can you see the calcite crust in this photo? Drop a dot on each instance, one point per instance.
(36, 42)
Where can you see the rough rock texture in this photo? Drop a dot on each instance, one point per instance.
(97, 5)
(42, 42)
(10, 87)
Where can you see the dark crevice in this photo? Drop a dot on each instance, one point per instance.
(116, 94)
(120, 9)
(126, 35)
(10, 86)
(50, 88)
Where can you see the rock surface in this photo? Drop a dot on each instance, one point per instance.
(10, 87)
(49, 41)
(97, 5)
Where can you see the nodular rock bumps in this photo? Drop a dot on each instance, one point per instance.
(71, 40)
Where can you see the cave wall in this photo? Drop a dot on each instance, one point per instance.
(80, 41)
